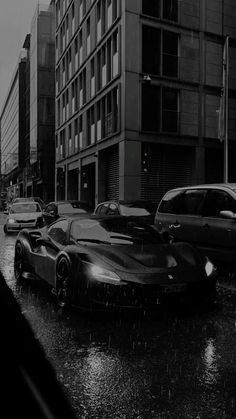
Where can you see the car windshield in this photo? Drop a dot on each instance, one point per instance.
(137, 209)
(24, 208)
(114, 231)
(72, 208)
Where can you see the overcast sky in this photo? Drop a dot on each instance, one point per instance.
(15, 21)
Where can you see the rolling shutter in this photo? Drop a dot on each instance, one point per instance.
(112, 170)
(168, 167)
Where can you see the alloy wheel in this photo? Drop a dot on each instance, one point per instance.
(18, 261)
(63, 283)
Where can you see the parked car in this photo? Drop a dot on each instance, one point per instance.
(138, 208)
(57, 209)
(113, 262)
(204, 215)
(21, 215)
(29, 198)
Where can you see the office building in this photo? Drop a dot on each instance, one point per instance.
(138, 86)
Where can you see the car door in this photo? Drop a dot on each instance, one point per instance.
(180, 214)
(218, 234)
(57, 238)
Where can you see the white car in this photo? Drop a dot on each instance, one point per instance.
(23, 215)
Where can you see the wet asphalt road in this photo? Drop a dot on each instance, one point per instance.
(174, 365)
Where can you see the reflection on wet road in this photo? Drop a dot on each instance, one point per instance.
(176, 365)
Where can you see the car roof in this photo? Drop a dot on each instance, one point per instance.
(127, 201)
(225, 186)
(67, 201)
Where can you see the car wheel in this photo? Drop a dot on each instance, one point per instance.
(63, 283)
(5, 229)
(18, 261)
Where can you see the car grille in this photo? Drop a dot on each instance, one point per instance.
(25, 221)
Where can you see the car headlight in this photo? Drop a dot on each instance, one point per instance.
(209, 267)
(103, 275)
(11, 220)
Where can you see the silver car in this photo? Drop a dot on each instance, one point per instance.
(23, 215)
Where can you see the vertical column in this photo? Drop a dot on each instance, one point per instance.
(130, 170)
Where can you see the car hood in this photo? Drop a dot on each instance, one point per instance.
(147, 258)
(25, 216)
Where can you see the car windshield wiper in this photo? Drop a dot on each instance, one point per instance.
(92, 241)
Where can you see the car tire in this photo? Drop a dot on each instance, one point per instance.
(5, 229)
(18, 261)
(63, 283)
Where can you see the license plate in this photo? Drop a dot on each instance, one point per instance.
(173, 288)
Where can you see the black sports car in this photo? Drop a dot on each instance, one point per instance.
(112, 261)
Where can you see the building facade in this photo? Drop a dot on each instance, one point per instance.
(28, 114)
(40, 98)
(138, 86)
(13, 132)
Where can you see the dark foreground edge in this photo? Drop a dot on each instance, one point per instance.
(29, 386)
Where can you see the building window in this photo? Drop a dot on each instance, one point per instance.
(151, 7)
(115, 57)
(56, 47)
(76, 135)
(69, 64)
(109, 13)
(151, 50)
(159, 109)
(62, 145)
(109, 62)
(73, 98)
(154, 52)
(99, 123)
(104, 67)
(114, 10)
(169, 109)
(80, 47)
(58, 112)
(81, 131)
(91, 125)
(63, 72)
(63, 37)
(167, 9)
(88, 41)
(99, 21)
(69, 141)
(67, 104)
(150, 108)
(63, 108)
(73, 19)
(76, 55)
(67, 29)
(92, 86)
(81, 9)
(170, 54)
(57, 80)
(99, 81)
(170, 10)
(80, 90)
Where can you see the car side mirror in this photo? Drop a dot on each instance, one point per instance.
(228, 214)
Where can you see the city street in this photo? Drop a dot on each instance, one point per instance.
(172, 365)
